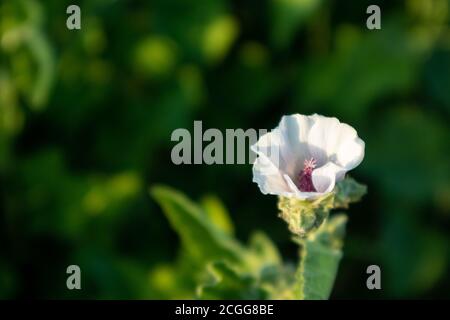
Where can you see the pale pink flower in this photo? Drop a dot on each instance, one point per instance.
(305, 156)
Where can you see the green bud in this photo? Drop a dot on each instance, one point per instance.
(305, 216)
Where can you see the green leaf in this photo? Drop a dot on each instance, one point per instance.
(267, 277)
(217, 213)
(348, 191)
(201, 238)
(320, 256)
(228, 283)
(265, 249)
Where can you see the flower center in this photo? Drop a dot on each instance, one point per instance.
(305, 180)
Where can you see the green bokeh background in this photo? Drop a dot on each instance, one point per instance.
(86, 118)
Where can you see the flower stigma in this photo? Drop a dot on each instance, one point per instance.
(305, 176)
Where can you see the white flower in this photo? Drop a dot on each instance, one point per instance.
(305, 156)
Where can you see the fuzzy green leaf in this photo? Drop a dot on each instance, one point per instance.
(348, 191)
(265, 249)
(228, 283)
(202, 239)
(320, 256)
(217, 213)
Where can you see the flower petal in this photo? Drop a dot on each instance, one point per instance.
(296, 192)
(294, 131)
(266, 168)
(350, 153)
(268, 177)
(324, 178)
(322, 138)
(331, 140)
(270, 145)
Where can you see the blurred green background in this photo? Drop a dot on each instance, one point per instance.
(86, 117)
